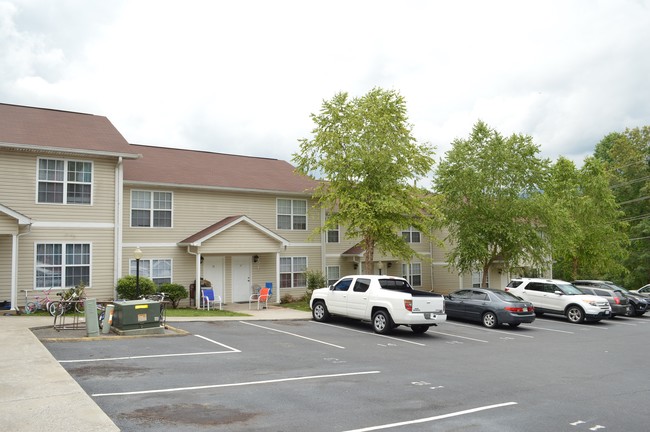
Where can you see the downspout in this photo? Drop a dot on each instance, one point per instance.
(431, 265)
(14, 267)
(197, 278)
(119, 222)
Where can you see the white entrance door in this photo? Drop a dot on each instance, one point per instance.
(214, 271)
(241, 278)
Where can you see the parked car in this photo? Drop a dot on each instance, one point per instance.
(618, 300)
(559, 297)
(488, 306)
(644, 291)
(637, 301)
(385, 301)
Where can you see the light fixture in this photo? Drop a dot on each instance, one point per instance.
(256, 258)
(389, 265)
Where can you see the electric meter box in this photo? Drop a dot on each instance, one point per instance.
(136, 314)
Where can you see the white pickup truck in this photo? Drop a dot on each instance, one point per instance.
(386, 301)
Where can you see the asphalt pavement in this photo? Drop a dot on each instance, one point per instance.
(36, 392)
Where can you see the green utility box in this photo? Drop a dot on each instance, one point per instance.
(136, 314)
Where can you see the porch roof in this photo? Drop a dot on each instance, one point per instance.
(21, 218)
(225, 224)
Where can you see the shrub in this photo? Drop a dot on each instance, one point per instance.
(126, 287)
(315, 279)
(287, 298)
(174, 292)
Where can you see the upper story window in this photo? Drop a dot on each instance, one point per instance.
(292, 214)
(151, 209)
(62, 265)
(333, 235)
(64, 181)
(158, 270)
(411, 235)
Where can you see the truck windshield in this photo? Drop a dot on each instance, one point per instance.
(395, 285)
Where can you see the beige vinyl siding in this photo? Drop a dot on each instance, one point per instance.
(194, 210)
(444, 280)
(101, 258)
(5, 267)
(20, 170)
(8, 225)
(241, 238)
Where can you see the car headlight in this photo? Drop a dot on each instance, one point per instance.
(591, 302)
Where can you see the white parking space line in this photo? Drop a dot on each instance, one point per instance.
(457, 336)
(552, 330)
(623, 323)
(369, 333)
(503, 332)
(247, 383)
(291, 334)
(430, 419)
(230, 351)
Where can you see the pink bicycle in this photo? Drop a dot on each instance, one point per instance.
(40, 303)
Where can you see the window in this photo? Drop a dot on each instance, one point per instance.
(62, 265)
(333, 274)
(292, 272)
(151, 209)
(333, 235)
(411, 235)
(64, 182)
(343, 284)
(477, 278)
(158, 270)
(413, 274)
(292, 214)
(361, 285)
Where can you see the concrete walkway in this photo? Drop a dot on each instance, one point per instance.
(36, 392)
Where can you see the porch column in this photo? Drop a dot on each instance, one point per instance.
(197, 284)
(277, 277)
(14, 272)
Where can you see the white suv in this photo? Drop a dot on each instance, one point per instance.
(559, 297)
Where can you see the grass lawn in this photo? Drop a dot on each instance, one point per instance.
(302, 305)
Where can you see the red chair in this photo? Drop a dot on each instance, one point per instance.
(261, 297)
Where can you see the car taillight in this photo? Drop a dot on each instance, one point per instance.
(617, 300)
(408, 304)
(513, 309)
(507, 289)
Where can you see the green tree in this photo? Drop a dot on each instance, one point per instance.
(589, 240)
(491, 190)
(365, 151)
(627, 159)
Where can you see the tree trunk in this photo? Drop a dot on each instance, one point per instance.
(484, 277)
(369, 257)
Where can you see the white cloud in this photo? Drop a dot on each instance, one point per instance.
(243, 77)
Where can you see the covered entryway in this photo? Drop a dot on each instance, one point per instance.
(249, 251)
(12, 225)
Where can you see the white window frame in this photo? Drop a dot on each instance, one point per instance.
(338, 235)
(65, 182)
(410, 233)
(148, 266)
(151, 209)
(409, 274)
(292, 215)
(65, 263)
(477, 277)
(294, 271)
(329, 274)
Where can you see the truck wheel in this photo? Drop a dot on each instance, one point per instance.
(382, 322)
(575, 314)
(320, 312)
(419, 328)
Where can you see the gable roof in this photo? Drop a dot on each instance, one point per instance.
(224, 224)
(182, 167)
(21, 218)
(30, 128)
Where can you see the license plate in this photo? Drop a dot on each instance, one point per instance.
(429, 315)
(606, 312)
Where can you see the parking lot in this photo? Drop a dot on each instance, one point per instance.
(301, 375)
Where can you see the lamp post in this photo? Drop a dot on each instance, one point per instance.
(137, 254)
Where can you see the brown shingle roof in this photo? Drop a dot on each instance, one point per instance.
(40, 127)
(202, 168)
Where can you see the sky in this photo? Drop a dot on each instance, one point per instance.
(243, 77)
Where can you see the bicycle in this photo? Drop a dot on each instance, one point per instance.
(40, 303)
(71, 298)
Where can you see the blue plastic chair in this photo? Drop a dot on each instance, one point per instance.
(209, 299)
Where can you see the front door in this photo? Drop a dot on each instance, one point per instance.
(214, 271)
(241, 278)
